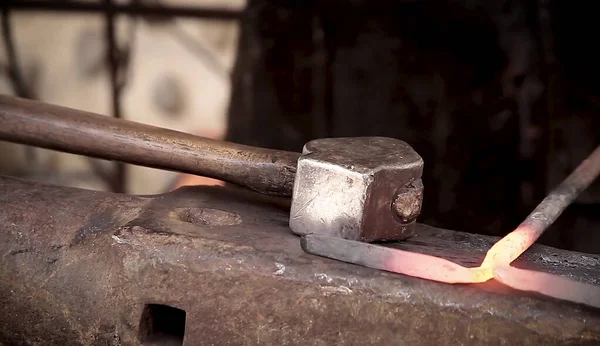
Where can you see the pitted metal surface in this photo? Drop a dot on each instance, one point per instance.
(81, 268)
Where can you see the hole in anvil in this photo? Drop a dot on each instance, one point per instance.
(162, 325)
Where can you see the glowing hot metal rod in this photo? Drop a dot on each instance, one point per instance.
(515, 243)
(498, 257)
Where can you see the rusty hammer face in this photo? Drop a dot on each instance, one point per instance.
(365, 188)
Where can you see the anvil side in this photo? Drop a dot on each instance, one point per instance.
(91, 268)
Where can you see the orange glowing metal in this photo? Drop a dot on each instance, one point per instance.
(393, 260)
(515, 243)
(497, 259)
(549, 285)
(509, 248)
(434, 268)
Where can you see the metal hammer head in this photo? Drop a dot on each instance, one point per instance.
(365, 188)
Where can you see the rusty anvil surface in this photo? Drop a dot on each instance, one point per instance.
(79, 266)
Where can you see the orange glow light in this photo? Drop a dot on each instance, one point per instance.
(501, 254)
(435, 268)
(549, 285)
(510, 247)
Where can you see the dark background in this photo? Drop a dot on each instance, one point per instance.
(500, 98)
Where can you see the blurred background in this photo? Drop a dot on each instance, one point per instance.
(171, 72)
(500, 98)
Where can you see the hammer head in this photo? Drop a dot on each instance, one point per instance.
(365, 188)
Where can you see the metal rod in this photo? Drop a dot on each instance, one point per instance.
(549, 285)
(20, 86)
(501, 254)
(392, 260)
(119, 181)
(129, 9)
(564, 194)
(543, 216)
(267, 171)
(113, 60)
(14, 69)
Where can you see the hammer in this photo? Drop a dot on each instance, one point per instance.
(366, 188)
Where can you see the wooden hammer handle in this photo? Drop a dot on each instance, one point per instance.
(64, 129)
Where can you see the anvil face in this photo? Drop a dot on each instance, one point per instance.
(206, 265)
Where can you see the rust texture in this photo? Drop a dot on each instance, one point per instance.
(80, 268)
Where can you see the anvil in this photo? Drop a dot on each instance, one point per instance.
(219, 266)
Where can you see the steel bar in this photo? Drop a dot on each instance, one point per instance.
(391, 260)
(83, 268)
(39, 124)
(518, 241)
(15, 73)
(549, 285)
(131, 9)
(437, 269)
(119, 182)
(441, 270)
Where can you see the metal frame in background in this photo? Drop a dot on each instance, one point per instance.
(114, 57)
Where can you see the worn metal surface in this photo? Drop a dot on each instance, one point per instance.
(78, 267)
(346, 187)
